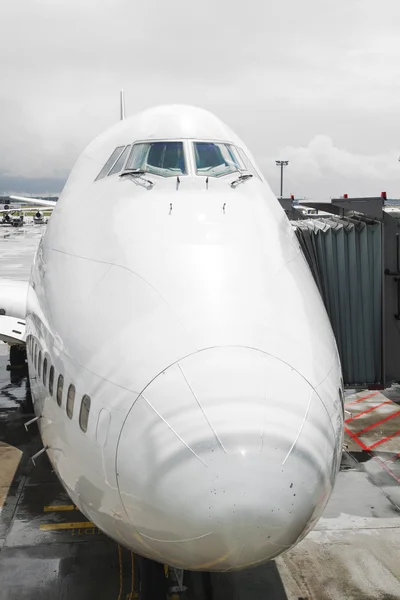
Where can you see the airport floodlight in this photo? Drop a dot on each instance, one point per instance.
(282, 164)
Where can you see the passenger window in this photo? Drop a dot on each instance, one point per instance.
(84, 413)
(51, 380)
(120, 162)
(40, 363)
(44, 371)
(70, 400)
(35, 356)
(110, 163)
(60, 386)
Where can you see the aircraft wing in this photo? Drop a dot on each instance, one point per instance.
(13, 295)
(35, 201)
(12, 330)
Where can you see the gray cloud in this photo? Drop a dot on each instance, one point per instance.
(321, 162)
(314, 82)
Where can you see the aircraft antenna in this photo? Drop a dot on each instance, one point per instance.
(122, 104)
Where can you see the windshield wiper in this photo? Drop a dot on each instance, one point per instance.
(240, 179)
(137, 173)
(132, 172)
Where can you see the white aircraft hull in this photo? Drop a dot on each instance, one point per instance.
(191, 319)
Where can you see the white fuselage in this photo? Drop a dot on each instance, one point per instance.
(187, 313)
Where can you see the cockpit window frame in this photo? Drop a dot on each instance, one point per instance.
(110, 162)
(124, 155)
(189, 158)
(186, 160)
(246, 160)
(232, 147)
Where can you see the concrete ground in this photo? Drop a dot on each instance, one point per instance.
(49, 550)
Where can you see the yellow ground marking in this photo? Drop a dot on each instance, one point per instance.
(120, 572)
(132, 595)
(9, 461)
(59, 507)
(57, 526)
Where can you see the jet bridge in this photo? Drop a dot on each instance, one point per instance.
(353, 249)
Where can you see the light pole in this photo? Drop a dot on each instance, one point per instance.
(282, 164)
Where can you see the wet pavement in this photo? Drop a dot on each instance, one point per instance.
(49, 550)
(17, 248)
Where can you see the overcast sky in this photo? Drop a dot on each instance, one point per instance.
(315, 82)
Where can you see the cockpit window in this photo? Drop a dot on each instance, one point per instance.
(120, 162)
(247, 162)
(110, 163)
(215, 160)
(160, 158)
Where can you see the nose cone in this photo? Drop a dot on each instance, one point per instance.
(224, 461)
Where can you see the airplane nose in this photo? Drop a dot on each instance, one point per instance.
(225, 460)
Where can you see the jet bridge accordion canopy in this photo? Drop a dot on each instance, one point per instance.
(345, 257)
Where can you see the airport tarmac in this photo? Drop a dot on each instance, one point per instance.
(49, 550)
